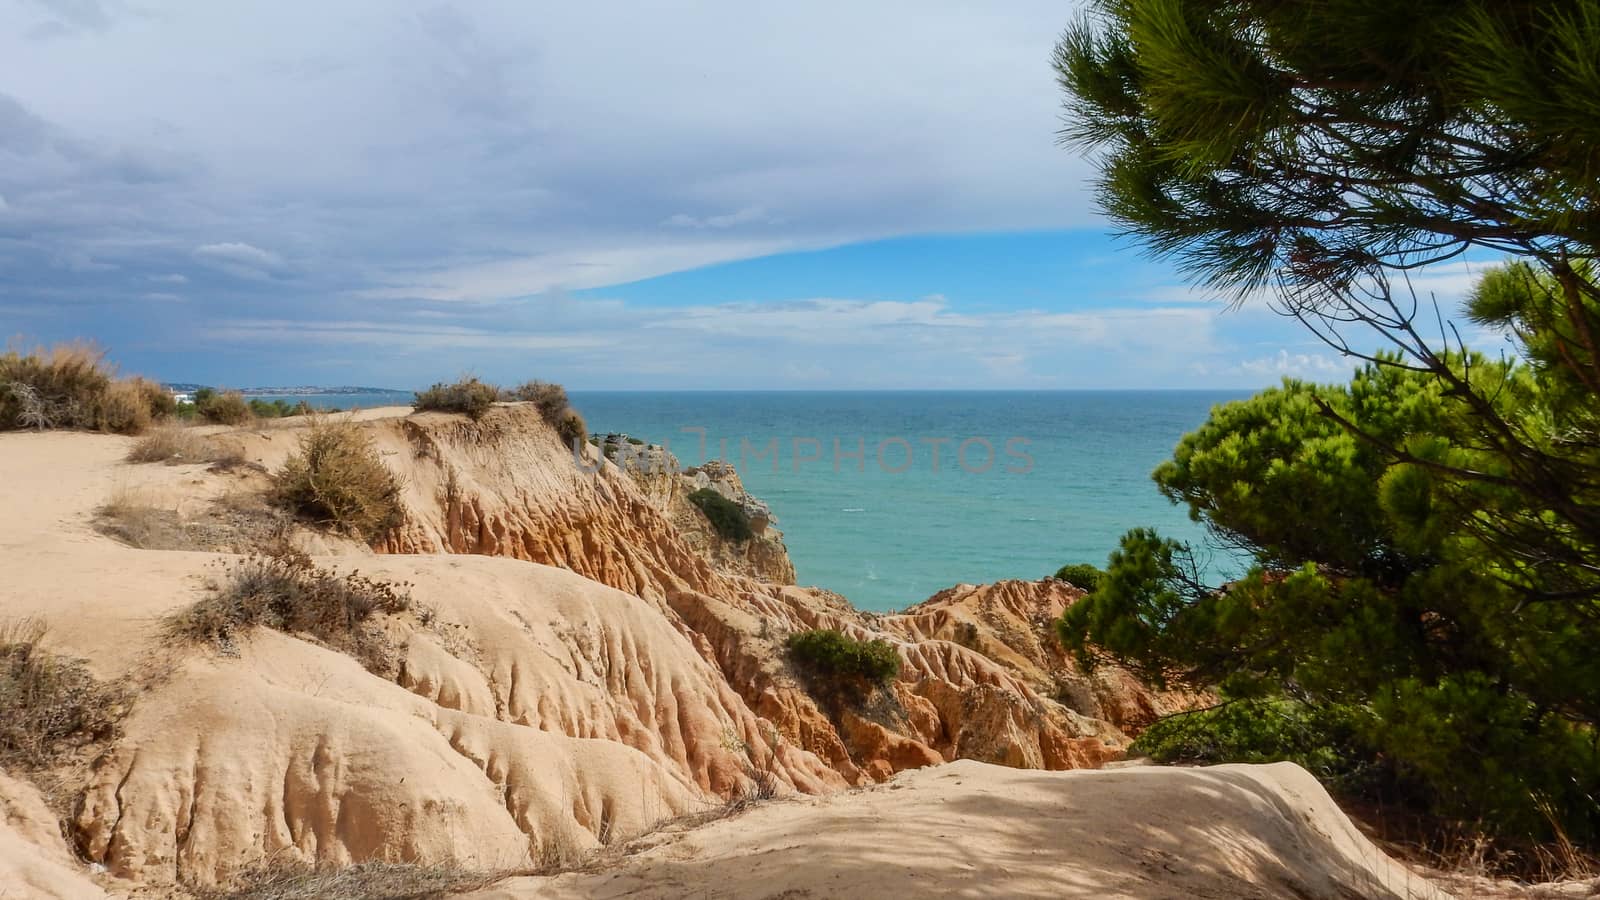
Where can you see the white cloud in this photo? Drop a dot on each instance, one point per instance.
(750, 215)
(1298, 365)
(170, 278)
(239, 259)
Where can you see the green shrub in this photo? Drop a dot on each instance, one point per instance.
(337, 477)
(727, 517)
(225, 408)
(1327, 741)
(1081, 575)
(278, 409)
(468, 396)
(842, 660)
(287, 592)
(49, 704)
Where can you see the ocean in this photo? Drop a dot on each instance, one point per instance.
(1023, 482)
(369, 400)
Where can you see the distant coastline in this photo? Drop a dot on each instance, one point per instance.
(298, 391)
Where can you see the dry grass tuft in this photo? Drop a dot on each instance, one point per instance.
(338, 478)
(468, 395)
(173, 444)
(49, 705)
(572, 429)
(363, 881)
(72, 386)
(289, 593)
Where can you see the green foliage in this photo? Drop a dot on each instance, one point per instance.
(1372, 592)
(278, 409)
(1311, 141)
(469, 396)
(337, 477)
(839, 661)
(1081, 575)
(1327, 740)
(1424, 538)
(727, 517)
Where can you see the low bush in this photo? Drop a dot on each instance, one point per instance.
(278, 409)
(49, 704)
(1325, 740)
(841, 659)
(172, 444)
(727, 517)
(289, 593)
(336, 477)
(549, 399)
(224, 408)
(1081, 575)
(571, 428)
(71, 386)
(469, 396)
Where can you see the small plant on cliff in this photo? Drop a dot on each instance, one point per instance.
(548, 398)
(1081, 575)
(572, 428)
(727, 517)
(49, 704)
(468, 396)
(287, 592)
(337, 477)
(838, 661)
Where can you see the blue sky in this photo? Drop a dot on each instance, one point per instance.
(685, 195)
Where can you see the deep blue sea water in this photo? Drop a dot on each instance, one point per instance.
(1024, 481)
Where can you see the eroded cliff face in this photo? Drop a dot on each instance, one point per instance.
(982, 678)
(632, 673)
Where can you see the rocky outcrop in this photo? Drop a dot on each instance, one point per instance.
(1013, 624)
(974, 684)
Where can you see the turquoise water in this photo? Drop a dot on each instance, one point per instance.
(886, 534)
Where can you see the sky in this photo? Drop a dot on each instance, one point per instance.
(687, 195)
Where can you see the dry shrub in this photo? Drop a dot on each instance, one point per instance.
(469, 396)
(338, 478)
(362, 881)
(49, 704)
(72, 386)
(173, 444)
(226, 408)
(289, 593)
(548, 398)
(571, 427)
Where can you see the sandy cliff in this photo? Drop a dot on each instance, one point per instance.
(584, 670)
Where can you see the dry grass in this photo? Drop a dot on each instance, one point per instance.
(50, 705)
(337, 478)
(468, 395)
(572, 429)
(173, 444)
(363, 881)
(289, 593)
(72, 386)
(226, 408)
